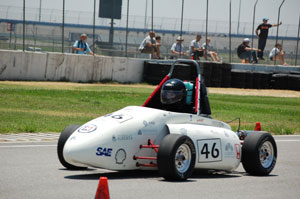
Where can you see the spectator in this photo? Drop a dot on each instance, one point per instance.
(246, 53)
(158, 45)
(178, 48)
(213, 55)
(195, 48)
(81, 46)
(277, 54)
(148, 45)
(263, 36)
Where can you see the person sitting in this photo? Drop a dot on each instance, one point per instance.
(177, 48)
(277, 54)
(173, 95)
(148, 45)
(195, 49)
(81, 46)
(158, 45)
(209, 53)
(246, 53)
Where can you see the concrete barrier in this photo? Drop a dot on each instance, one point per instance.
(19, 65)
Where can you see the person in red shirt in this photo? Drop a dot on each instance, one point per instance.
(263, 36)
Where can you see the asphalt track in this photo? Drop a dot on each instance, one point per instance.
(32, 170)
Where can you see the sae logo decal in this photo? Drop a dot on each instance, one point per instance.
(87, 128)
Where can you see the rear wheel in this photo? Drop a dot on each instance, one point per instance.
(259, 154)
(65, 134)
(176, 157)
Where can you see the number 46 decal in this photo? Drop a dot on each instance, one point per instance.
(209, 150)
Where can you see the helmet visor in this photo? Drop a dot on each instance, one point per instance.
(171, 97)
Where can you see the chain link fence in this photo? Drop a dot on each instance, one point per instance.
(43, 32)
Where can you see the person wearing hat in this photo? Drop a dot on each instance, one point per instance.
(178, 48)
(263, 36)
(81, 46)
(195, 48)
(246, 53)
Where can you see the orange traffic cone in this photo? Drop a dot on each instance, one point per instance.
(257, 127)
(102, 190)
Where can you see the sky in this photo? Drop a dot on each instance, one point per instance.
(218, 10)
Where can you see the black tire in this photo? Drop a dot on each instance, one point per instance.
(259, 154)
(65, 134)
(168, 164)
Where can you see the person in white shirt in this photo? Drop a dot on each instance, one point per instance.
(178, 48)
(148, 45)
(195, 49)
(209, 53)
(277, 54)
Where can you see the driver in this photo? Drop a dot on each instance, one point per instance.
(173, 95)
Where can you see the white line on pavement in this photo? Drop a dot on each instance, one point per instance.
(27, 146)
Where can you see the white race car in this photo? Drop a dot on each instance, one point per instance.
(175, 143)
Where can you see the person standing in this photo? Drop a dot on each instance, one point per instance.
(195, 48)
(263, 36)
(81, 46)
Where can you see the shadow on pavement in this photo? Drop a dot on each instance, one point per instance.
(120, 175)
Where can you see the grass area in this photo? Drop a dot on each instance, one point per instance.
(38, 107)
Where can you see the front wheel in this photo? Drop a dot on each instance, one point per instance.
(65, 134)
(259, 154)
(176, 157)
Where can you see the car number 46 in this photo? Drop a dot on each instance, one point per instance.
(209, 150)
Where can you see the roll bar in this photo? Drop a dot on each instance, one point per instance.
(198, 80)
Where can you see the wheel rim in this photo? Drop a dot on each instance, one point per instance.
(266, 154)
(183, 158)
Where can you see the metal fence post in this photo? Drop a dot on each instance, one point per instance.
(94, 24)
(239, 17)
(181, 24)
(278, 26)
(230, 31)
(126, 43)
(63, 27)
(206, 26)
(40, 11)
(254, 9)
(297, 43)
(23, 25)
(146, 9)
(152, 17)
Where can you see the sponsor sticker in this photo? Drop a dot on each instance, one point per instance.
(104, 151)
(200, 120)
(229, 151)
(121, 137)
(120, 156)
(87, 128)
(118, 117)
(238, 151)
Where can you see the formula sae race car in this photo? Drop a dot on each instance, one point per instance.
(173, 142)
